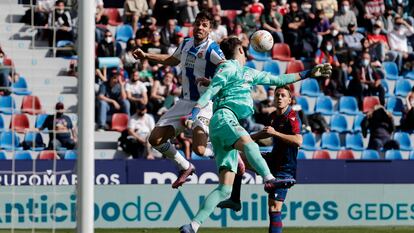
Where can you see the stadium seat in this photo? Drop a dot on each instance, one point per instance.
(114, 18)
(19, 122)
(8, 61)
(370, 154)
(10, 141)
(310, 87)
(354, 142)
(70, 154)
(119, 122)
(386, 87)
(20, 87)
(391, 70)
(258, 56)
(265, 149)
(31, 105)
(321, 154)
(124, 33)
(404, 140)
(281, 51)
(309, 142)
(357, 122)
(40, 119)
(324, 105)
(22, 155)
(339, 123)
(33, 141)
(393, 155)
(48, 155)
(409, 75)
(345, 154)
(230, 14)
(272, 67)
(369, 103)
(330, 141)
(411, 156)
(303, 102)
(109, 62)
(402, 87)
(250, 64)
(1, 123)
(7, 105)
(3, 155)
(294, 66)
(395, 105)
(301, 154)
(348, 105)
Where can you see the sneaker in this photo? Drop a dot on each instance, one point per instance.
(100, 129)
(182, 177)
(186, 229)
(241, 167)
(230, 204)
(271, 185)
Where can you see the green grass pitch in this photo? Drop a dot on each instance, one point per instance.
(243, 230)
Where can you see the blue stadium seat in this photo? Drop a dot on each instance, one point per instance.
(348, 105)
(404, 139)
(22, 155)
(395, 105)
(64, 43)
(324, 105)
(301, 154)
(266, 149)
(70, 154)
(331, 141)
(259, 56)
(303, 102)
(339, 123)
(409, 75)
(33, 141)
(40, 119)
(1, 124)
(386, 87)
(250, 64)
(272, 67)
(370, 154)
(20, 87)
(393, 155)
(124, 33)
(3, 155)
(7, 105)
(310, 87)
(391, 70)
(354, 142)
(402, 87)
(411, 156)
(10, 141)
(109, 62)
(309, 142)
(357, 122)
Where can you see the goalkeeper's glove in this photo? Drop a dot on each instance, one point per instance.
(322, 70)
(192, 117)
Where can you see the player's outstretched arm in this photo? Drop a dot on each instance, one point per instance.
(164, 59)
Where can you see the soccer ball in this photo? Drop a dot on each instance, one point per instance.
(261, 41)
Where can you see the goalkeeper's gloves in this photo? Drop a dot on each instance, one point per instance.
(192, 117)
(322, 70)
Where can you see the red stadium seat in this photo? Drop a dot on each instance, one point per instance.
(114, 18)
(294, 66)
(345, 154)
(119, 122)
(31, 105)
(369, 103)
(19, 122)
(281, 51)
(230, 14)
(321, 154)
(8, 62)
(48, 155)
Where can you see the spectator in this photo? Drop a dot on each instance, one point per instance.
(238, 31)
(42, 10)
(293, 25)
(100, 10)
(322, 27)
(144, 34)
(135, 141)
(219, 32)
(328, 6)
(169, 33)
(407, 122)
(133, 11)
(272, 21)
(62, 133)
(100, 75)
(303, 118)
(342, 51)
(164, 10)
(128, 61)
(374, 9)
(112, 98)
(378, 40)
(283, 7)
(136, 91)
(265, 108)
(107, 47)
(256, 7)
(345, 17)
(62, 21)
(398, 41)
(246, 20)
(154, 46)
(353, 39)
(163, 94)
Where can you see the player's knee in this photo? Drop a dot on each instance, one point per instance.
(200, 150)
(154, 140)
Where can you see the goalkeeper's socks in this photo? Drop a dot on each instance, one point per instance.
(216, 196)
(255, 159)
(169, 151)
(275, 225)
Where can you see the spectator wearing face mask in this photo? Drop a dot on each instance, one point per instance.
(378, 40)
(62, 21)
(345, 17)
(108, 47)
(322, 28)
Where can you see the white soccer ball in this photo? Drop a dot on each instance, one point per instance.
(261, 41)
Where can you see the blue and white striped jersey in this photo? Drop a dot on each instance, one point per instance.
(197, 62)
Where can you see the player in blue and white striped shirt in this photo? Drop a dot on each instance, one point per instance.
(198, 58)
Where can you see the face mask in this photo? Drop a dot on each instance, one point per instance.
(306, 8)
(365, 62)
(377, 31)
(60, 11)
(59, 114)
(345, 8)
(141, 114)
(340, 43)
(329, 47)
(334, 32)
(108, 39)
(271, 98)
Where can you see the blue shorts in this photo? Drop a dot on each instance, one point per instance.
(280, 193)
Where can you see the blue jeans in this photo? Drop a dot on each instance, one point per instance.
(105, 109)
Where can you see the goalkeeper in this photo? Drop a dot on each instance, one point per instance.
(230, 91)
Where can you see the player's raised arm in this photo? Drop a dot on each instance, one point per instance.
(164, 59)
(266, 78)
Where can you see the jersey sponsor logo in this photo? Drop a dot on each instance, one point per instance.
(293, 118)
(190, 61)
(204, 120)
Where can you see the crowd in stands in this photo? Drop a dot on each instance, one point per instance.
(368, 43)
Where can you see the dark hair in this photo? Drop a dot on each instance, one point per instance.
(287, 88)
(59, 1)
(205, 15)
(229, 46)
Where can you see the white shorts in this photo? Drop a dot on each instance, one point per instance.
(174, 116)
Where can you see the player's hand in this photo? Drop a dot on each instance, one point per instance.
(139, 54)
(203, 81)
(269, 130)
(192, 117)
(322, 70)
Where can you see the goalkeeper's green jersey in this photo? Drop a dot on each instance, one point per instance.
(232, 84)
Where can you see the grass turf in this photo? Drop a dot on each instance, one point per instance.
(243, 230)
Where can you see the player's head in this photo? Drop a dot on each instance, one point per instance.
(283, 97)
(232, 48)
(203, 25)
